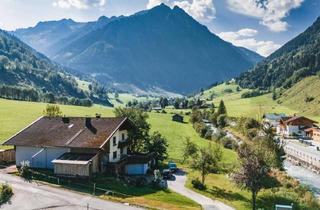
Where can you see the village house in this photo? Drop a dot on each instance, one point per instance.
(79, 146)
(294, 126)
(313, 133)
(272, 120)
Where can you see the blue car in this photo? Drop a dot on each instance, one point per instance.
(172, 166)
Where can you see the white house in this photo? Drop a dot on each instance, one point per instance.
(294, 126)
(78, 146)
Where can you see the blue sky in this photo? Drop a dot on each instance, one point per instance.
(260, 25)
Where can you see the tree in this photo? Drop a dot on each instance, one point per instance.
(163, 102)
(158, 145)
(138, 136)
(207, 160)
(222, 120)
(222, 108)
(52, 111)
(253, 174)
(190, 149)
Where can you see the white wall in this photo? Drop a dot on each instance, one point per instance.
(42, 159)
(113, 148)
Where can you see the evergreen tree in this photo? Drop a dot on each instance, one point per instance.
(222, 108)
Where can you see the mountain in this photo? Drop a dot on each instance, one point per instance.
(48, 37)
(296, 60)
(159, 48)
(28, 75)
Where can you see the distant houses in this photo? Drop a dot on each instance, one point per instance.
(295, 126)
(272, 119)
(177, 118)
(313, 133)
(79, 146)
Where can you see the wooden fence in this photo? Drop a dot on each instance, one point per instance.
(7, 156)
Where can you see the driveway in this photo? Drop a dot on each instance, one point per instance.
(178, 185)
(32, 196)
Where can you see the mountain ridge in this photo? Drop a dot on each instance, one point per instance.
(154, 48)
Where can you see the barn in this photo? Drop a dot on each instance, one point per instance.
(79, 146)
(177, 118)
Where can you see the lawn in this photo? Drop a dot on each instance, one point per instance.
(177, 132)
(220, 187)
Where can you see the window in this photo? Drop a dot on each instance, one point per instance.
(123, 137)
(114, 141)
(115, 155)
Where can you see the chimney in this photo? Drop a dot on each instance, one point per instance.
(88, 122)
(98, 116)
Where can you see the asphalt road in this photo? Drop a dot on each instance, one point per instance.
(178, 185)
(34, 196)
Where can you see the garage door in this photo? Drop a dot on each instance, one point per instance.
(38, 157)
(135, 169)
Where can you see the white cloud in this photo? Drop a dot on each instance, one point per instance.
(270, 12)
(153, 3)
(245, 38)
(79, 4)
(202, 10)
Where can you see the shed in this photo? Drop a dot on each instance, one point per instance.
(76, 165)
(177, 118)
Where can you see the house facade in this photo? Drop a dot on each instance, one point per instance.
(294, 126)
(272, 119)
(313, 133)
(78, 146)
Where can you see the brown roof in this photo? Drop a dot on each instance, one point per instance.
(70, 132)
(291, 119)
(312, 129)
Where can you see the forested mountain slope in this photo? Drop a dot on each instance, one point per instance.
(294, 61)
(28, 75)
(157, 48)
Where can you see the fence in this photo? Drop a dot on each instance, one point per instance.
(7, 156)
(86, 187)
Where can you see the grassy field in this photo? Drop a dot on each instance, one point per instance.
(176, 134)
(15, 115)
(292, 101)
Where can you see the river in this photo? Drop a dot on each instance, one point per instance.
(305, 177)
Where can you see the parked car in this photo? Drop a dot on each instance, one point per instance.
(172, 166)
(167, 174)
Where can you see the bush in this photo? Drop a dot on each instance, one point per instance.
(5, 193)
(24, 170)
(228, 90)
(141, 182)
(198, 185)
(163, 111)
(229, 143)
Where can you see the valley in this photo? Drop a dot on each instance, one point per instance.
(170, 106)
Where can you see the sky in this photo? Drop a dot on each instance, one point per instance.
(260, 25)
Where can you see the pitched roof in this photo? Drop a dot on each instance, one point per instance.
(297, 118)
(274, 116)
(73, 132)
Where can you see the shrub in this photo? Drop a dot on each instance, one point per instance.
(228, 90)
(141, 182)
(24, 170)
(163, 111)
(198, 185)
(229, 143)
(5, 193)
(309, 99)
